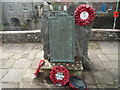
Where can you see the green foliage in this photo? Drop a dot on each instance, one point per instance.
(55, 7)
(5, 26)
(1, 27)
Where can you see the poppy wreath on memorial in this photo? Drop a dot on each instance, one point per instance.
(59, 75)
(84, 15)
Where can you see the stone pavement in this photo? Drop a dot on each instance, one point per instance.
(19, 61)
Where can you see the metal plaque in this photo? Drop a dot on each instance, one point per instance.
(61, 36)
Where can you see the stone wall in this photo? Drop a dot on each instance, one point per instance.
(35, 35)
(105, 35)
(21, 36)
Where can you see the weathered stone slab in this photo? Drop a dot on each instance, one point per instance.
(88, 78)
(14, 75)
(98, 65)
(31, 56)
(91, 87)
(0, 74)
(103, 77)
(16, 56)
(92, 55)
(28, 48)
(28, 76)
(111, 65)
(5, 46)
(39, 55)
(107, 87)
(1, 64)
(103, 57)
(10, 85)
(115, 75)
(38, 46)
(33, 85)
(25, 55)
(110, 51)
(0, 86)
(113, 57)
(22, 64)
(14, 48)
(35, 64)
(6, 55)
(3, 72)
(8, 64)
(112, 87)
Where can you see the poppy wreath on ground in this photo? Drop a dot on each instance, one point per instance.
(84, 15)
(59, 75)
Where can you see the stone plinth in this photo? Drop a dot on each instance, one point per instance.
(74, 68)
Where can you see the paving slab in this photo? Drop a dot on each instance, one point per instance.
(27, 55)
(103, 57)
(3, 72)
(94, 51)
(107, 43)
(8, 64)
(43, 77)
(40, 54)
(103, 77)
(110, 51)
(0, 74)
(110, 65)
(6, 55)
(16, 56)
(38, 46)
(24, 55)
(113, 57)
(108, 47)
(1, 64)
(31, 56)
(6, 45)
(29, 44)
(92, 55)
(22, 64)
(0, 86)
(13, 49)
(107, 87)
(32, 85)
(10, 85)
(98, 65)
(28, 76)
(110, 86)
(91, 87)
(42, 85)
(35, 64)
(28, 47)
(14, 75)
(115, 76)
(88, 78)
